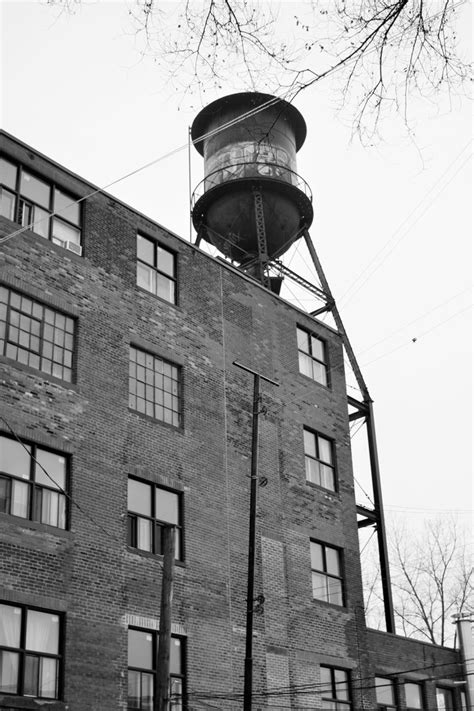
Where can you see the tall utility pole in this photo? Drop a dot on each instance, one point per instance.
(248, 668)
(163, 663)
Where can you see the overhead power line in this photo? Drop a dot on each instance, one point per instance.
(402, 225)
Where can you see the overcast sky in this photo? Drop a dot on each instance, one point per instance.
(76, 88)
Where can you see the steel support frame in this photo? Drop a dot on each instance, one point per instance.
(363, 409)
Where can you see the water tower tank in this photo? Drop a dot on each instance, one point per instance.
(249, 143)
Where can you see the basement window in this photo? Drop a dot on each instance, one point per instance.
(30, 652)
(156, 269)
(150, 509)
(142, 670)
(32, 482)
(312, 356)
(326, 573)
(319, 460)
(40, 205)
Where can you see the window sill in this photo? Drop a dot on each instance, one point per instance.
(174, 304)
(312, 380)
(7, 703)
(20, 522)
(154, 556)
(149, 418)
(333, 495)
(38, 373)
(331, 605)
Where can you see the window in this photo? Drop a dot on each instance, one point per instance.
(154, 387)
(326, 573)
(25, 489)
(29, 652)
(385, 694)
(319, 460)
(142, 669)
(150, 508)
(335, 689)
(156, 269)
(26, 199)
(444, 699)
(413, 696)
(36, 335)
(312, 356)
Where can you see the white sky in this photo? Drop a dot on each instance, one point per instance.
(76, 88)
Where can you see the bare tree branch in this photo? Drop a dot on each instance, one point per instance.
(431, 579)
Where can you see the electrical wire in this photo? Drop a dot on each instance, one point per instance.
(61, 489)
(169, 154)
(417, 338)
(415, 320)
(341, 300)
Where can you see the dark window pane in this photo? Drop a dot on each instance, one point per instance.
(31, 675)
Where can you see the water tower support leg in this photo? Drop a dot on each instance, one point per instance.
(370, 426)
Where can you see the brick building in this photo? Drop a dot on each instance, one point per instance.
(122, 411)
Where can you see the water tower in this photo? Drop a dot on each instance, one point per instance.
(252, 204)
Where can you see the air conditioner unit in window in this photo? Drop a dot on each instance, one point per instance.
(73, 247)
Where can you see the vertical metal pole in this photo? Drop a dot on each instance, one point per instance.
(381, 534)
(464, 623)
(189, 187)
(163, 662)
(251, 554)
(372, 443)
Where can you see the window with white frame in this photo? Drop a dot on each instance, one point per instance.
(312, 356)
(319, 460)
(36, 335)
(156, 269)
(150, 509)
(39, 204)
(32, 482)
(326, 572)
(385, 694)
(30, 656)
(335, 689)
(142, 670)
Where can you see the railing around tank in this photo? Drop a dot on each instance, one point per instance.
(254, 169)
